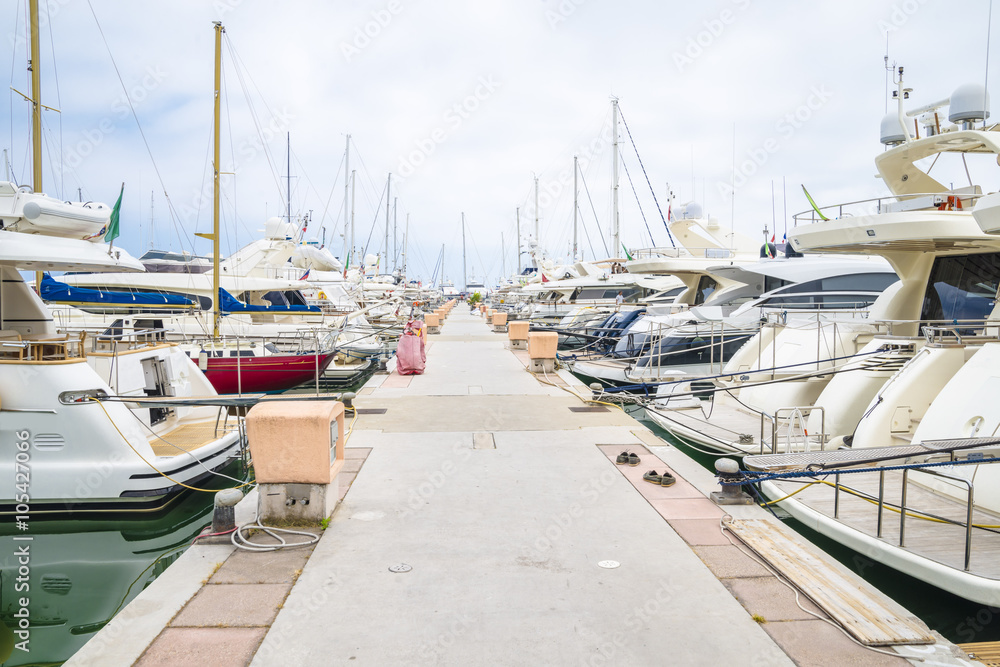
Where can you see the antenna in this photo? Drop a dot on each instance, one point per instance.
(986, 76)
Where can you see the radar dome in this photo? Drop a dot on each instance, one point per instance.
(891, 132)
(970, 102)
(690, 211)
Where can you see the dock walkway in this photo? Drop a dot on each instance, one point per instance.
(502, 508)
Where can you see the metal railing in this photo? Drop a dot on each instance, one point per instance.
(969, 505)
(876, 205)
(800, 413)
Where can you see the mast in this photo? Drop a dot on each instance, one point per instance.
(288, 176)
(395, 248)
(406, 239)
(465, 276)
(576, 206)
(215, 179)
(615, 231)
(347, 192)
(537, 237)
(34, 64)
(503, 262)
(388, 185)
(353, 190)
(518, 214)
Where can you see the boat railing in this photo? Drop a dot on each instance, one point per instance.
(904, 509)
(673, 253)
(955, 200)
(792, 415)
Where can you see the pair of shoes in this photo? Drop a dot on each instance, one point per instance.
(666, 479)
(627, 458)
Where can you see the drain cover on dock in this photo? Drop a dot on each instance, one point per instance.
(370, 411)
(609, 564)
(589, 408)
(399, 569)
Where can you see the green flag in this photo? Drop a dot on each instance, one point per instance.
(627, 255)
(813, 204)
(112, 232)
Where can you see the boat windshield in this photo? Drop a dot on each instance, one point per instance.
(962, 287)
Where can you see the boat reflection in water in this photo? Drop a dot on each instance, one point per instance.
(84, 570)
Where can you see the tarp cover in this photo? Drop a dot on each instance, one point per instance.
(59, 292)
(230, 304)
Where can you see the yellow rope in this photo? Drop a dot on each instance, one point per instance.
(862, 496)
(160, 472)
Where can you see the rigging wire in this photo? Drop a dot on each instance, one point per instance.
(653, 192)
(587, 190)
(639, 204)
(55, 71)
(170, 205)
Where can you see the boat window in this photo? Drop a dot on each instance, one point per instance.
(706, 285)
(242, 353)
(866, 282)
(772, 283)
(962, 288)
(275, 298)
(683, 349)
(821, 301)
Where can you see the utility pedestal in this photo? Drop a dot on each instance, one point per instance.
(298, 452)
(517, 333)
(499, 322)
(542, 351)
(433, 323)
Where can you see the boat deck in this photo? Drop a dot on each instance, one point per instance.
(926, 537)
(184, 438)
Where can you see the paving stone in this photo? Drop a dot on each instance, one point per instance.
(819, 644)
(727, 562)
(771, 599)
(357, 452)
(699, 532)
(267, 567)
(686, 508)
(352, 465)
(233, 605)
(195, 647)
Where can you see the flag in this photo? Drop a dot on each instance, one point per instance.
(769, 247)
(112, 232)
(627, 255)
(544, 279)
(347, 263)
(813, 204)
(306, 274)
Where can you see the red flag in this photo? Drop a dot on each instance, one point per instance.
(544, 279)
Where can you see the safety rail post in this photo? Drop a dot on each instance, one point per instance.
(836, 496)
(881, 502)
(902, 507)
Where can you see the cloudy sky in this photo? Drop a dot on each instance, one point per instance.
(465, 103)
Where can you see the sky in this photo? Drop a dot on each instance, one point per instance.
(734, 104)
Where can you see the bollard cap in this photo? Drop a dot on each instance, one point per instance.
(228, 497)
(727, 466)
(596, 386)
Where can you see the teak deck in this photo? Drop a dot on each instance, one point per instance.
(184, 438)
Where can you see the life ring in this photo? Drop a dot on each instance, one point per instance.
(322, 295)
(953, 203)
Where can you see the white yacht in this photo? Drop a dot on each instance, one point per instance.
(819, 379)
(77, 440)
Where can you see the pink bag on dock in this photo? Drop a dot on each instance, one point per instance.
(410, 352)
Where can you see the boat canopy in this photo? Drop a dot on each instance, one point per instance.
(230, 304)
(55, 291)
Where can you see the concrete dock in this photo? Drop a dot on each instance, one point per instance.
(488, 524)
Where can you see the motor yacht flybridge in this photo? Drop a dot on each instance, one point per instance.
(819, 377)
(939, 407)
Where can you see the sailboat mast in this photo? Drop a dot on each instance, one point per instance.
(395, 247)
(576, 205)
(388, 187)
(518, 214)
(36, 113)
(615, 231)
(288, 175)
(353, 191)
(36, 100)
(503, 260)
(215, 180)
(406, 239)
(465, 275)
(537, 237)
(347, 193)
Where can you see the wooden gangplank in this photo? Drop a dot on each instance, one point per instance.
(988, 653)
(865, 616)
